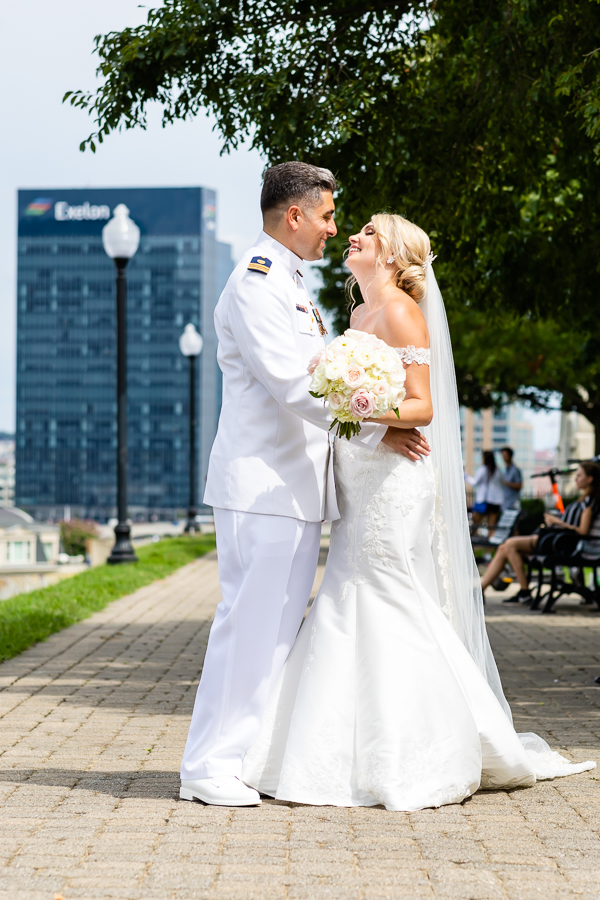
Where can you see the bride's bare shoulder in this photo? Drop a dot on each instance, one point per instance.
(405, 323)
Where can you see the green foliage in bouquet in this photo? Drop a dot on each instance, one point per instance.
(345, 429)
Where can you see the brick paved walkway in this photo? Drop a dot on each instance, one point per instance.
(93, 726)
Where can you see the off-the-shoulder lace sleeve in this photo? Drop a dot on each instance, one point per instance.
(411, 354)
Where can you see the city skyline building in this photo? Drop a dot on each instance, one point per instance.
(577, 441)
(7, 469)
(66, 368)
(491, 430)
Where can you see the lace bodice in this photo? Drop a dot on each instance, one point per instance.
(411, 354)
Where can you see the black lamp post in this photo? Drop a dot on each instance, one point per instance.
(190, 344)
(121, 238)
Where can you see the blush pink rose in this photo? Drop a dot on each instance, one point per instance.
(354, 375)
(380, 389)
(336, 401)
(317, 359)
(332, 353)
(362, 404)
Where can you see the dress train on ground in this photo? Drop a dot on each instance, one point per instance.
(379, 701)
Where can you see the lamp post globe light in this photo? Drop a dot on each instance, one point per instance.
(121, 238)
(190, 344)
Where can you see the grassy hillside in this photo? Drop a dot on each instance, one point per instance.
(26, 619)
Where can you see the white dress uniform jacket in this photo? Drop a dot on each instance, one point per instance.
(271, 453)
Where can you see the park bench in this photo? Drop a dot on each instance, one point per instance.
(585, 556)
(504, 529)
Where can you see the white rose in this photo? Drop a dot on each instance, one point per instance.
(376, 342)
(397, 376)
(377, 358)
(319, 381)
(396, 398)
(354, 335)
(342, 344)
(335, 369)
(364, 355)
(370, 380)
(386, 361)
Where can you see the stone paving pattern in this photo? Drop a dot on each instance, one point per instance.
(93, 726)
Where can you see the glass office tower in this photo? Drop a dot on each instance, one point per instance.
(66, 365)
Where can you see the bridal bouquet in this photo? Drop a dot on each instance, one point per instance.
(360, 377)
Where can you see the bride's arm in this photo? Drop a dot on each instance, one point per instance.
(404, 325)
(416, 409)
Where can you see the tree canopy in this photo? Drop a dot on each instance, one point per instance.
(478, 120)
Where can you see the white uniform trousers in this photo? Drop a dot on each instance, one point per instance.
(267, 566)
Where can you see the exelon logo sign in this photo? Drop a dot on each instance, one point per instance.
(39, 207)
(86, 212)
(64, 212)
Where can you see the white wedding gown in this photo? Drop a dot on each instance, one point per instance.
(379, 701)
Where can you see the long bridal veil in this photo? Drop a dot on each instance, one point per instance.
(458, 579)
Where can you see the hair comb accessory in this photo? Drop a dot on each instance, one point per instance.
(429, 259)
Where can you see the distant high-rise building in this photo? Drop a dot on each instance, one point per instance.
(490, 430)
(66, 368)
(577, 438)
(7, 469)
(577, 441)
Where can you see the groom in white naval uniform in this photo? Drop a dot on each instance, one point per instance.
(270, 478)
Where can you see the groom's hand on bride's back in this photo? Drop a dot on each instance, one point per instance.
(407, 441)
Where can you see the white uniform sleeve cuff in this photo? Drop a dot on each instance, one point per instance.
(370, 435)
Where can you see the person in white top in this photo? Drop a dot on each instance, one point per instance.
(270, 478)
(489, 490)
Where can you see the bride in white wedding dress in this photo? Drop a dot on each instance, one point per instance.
(390, 694)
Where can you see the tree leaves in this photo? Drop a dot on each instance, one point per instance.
(479, 121)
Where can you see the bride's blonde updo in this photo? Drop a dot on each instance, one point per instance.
(409, 247)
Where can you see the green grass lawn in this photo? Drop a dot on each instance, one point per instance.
(26, 619)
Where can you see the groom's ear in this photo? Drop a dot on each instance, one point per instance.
(293, 216)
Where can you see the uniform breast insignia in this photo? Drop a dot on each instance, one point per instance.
(301, 308)
(317, 315)
(260, 264)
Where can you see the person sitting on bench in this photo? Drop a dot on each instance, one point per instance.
(576, 520)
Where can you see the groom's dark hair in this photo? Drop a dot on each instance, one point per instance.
(294, 182)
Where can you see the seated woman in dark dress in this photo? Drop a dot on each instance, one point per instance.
(577, 518)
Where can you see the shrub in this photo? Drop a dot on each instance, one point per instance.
(75, 534)
(532, 515)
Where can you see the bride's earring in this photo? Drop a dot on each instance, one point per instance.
(390, 260)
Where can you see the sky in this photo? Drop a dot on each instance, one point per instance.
(46, 50)
(546, 428)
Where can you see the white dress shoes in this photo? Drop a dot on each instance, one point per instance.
(224, 790)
